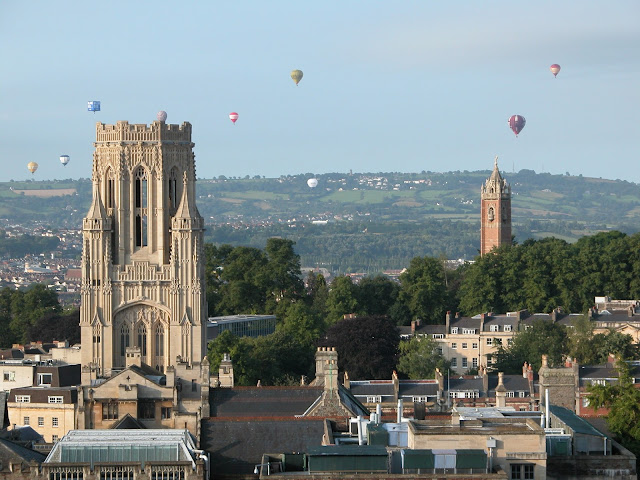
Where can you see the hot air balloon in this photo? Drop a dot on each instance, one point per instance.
(64, 159)
(312, 182)
(555, 68)
(233, 116)
(32, 166)
(296, 75)
(162, 116)
(516, 123)
(94, 106)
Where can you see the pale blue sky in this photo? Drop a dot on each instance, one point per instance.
(388, 86)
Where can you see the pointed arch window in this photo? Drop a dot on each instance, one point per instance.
(159, 341)
(173, 189)
(491, 214)
(141, 205)
(109, 189)
(142, 339)
(124, 340)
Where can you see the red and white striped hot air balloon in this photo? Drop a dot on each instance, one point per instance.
(516, 123)
(233, 116)
(555, 68)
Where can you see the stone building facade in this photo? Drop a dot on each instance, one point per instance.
(143, 286)
(495, 210)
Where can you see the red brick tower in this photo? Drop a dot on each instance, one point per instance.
(495, 211)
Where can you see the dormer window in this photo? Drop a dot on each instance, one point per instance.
(494, 328)
(507, 328)
(454, 330)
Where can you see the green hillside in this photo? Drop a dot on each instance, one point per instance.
(368, 221)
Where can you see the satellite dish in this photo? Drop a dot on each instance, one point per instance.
(94, 106)
(162, 116)
(312, 182)
(64, 159)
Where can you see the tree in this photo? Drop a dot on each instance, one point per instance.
(376, 295)
(423, 289)
(419, 357)
(623, 401)
(342, 299)
(282, 273)
(367, 346)
(542, 338)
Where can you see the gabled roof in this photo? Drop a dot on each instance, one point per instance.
(465, 322)
(236, 446)
(241, 402)
(126, 423)
(417, 388)
(462, 383)
(12, 452)
(512, 383)
(372, 387)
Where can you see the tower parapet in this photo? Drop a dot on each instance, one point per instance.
(126, 132)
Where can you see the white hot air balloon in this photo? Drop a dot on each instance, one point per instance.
(64, 159)
(162, 116)
(312, 182)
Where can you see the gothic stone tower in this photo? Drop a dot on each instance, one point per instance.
(142, 258)
(495, 210)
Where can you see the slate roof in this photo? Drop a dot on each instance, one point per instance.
(501, 320)
(262, 401)
(457, 384)
(417, 388)
(465, 322)
(513, 383)
(576, 423)
(12, 452)
(372, 387)
(127, 423)
(237, 446)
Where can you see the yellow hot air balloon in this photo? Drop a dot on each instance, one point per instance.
(296, 75)
(32, 166)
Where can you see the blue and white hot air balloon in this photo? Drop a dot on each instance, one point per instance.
(94, 106)
(64, 159)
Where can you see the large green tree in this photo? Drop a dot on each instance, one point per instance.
(419, 358)
(542, 338)
(423, 290)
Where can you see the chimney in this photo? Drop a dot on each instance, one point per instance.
(447, 321)
(413, 327)
(630, 311)
(457, 314)
(525, 370)
(501, 391)
(554, 316)
(485, 380)
(440, 379)
(346, 382)
(396, 385)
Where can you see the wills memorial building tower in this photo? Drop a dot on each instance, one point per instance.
(495, 211)
(143, 289)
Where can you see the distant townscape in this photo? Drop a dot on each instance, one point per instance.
(148, 334)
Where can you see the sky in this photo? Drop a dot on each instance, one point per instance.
(399, 86)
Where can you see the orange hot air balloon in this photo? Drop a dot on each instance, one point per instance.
(555, 68)
(32, 166)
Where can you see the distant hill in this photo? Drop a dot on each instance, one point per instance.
(378, 220)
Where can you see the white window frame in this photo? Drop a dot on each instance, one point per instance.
(468, 331)
(9, 375)
(454, 346)
(465, 362)
(55, 399)
(55, 438)
(489, 341)
(454, 362)
(454, 330)
(55, 422)
(474, 345)
(374, 398)
(522, 394)
(511, 394)
(420, 398)
(438, 336)
(465, 345)
(26, 421)
(474, 362)
(40, 379)
(507, 328)
(494, 328)
(23, 398)
(41, 421)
